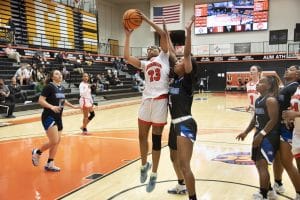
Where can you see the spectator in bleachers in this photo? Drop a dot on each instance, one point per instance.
(77, 65)
(61, 57)
(88, 59)
(103, 81)
(40, 75)
(39, 58)
(4, 99)
(34, 72)
(11, 53)
(65, 73)
(21, 75)
(16, 91)
(112, 78)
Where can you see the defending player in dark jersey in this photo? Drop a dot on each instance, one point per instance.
(183, 127)
(53, 101)
(284, 157)
(266, 137)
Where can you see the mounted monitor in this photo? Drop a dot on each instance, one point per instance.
(231, 16)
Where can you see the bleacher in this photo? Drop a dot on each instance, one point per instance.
(8, 69)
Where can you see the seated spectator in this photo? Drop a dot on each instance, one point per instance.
(22, 74)
(77, 65)
(40, 75)
(11, 53)
(112, 78)
(61, 57)
(16, 91)
(88, 59)
(103, 81)
(39, 57)
(65, 73)
(4, 99)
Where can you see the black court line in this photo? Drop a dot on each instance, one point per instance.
(105, 175)
(207, 180)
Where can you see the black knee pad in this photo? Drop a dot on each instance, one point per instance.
(92, 115)
(156, 142)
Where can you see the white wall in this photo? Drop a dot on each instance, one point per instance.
(110, 24)
(284, 14)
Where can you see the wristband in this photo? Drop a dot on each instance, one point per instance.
(263, 132)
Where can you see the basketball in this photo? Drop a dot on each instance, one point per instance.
(132, 19)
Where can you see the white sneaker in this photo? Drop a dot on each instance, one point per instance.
(272, 195)
(278, 188)
(51, 167)
(178, 189)
(258, 196)
(35, 157)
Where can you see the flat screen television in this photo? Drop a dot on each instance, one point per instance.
(231, 16)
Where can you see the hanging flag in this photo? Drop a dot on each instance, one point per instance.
(170, 13)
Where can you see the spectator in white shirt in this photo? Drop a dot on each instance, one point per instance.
(22, 75)
(11, 53)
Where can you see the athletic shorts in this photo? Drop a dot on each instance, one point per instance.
(48, 121)
(267, 148)
(187, 128)
(286, 135)
(154, 111)
(85, 102)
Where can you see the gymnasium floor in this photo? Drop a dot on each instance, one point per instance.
(105, 164)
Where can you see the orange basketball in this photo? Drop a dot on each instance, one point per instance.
(132, 19)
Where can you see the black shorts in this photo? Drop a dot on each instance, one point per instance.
(49, 121)
(187, 128)
(268, 147)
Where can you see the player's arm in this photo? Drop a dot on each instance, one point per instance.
(67, 103)
(163, 36)
(42, 101)
(130, 59)
(187, 48)
(273, 112)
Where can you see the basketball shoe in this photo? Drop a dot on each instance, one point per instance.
(279, 188)
(178, 189)
(51, 167)
(35, 157)
(152, 182)
(144, 172)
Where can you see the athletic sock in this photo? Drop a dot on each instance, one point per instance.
(39, 152)
(181, 182)
(264, 192)
(50, 160)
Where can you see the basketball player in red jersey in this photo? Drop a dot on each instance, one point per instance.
(255, 73)
(154, 108)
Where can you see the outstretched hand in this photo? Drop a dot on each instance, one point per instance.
(241, 136)
(142, 14)
(190, 23)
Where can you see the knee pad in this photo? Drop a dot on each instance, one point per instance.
(92, 115)
(156, 142)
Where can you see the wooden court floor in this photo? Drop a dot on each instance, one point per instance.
(105, 164)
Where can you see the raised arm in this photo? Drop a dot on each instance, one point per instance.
(172, 51)
(130, 59)
(163, 36)
(187, 48)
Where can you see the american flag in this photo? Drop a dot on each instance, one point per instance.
(170, 13)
